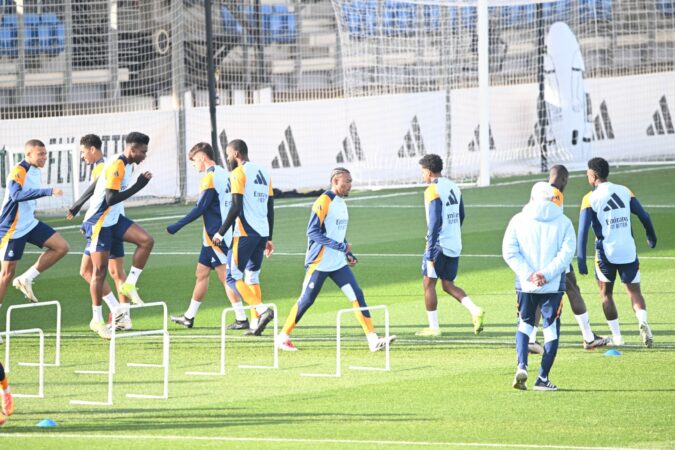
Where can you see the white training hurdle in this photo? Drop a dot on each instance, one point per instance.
(8, 328)
(40, 364)
(338, 362)
(111, 361)
(223, 330)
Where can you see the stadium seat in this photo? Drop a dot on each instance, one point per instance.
(432, 17)
(666, 7)
(595, 10)
(282, 25)
(8, 35)
(251, 20)
(31, 23)
(51, 34)
(231, 27)
(469, 17)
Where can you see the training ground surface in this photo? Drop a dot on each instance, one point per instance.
(452, 391)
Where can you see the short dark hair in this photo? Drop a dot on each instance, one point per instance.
(338, 171)
(432, 162)
(560, 170)
(600, 166)
(202, 147)
(34, 143)
(137, 138)
(240, 146)
(91, 140)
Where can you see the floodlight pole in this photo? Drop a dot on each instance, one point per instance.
(211, 74)
(484, 94)
(541, 103)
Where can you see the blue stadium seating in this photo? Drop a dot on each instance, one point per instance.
(231, 26)
(43, 34)
(8, 35)
(51, 34)
(666, 7)
(595, 10)
(282, 25)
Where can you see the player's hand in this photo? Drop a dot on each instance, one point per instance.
(651, 243)
(69, 215)
(351, 260)
(171, 229)
(537, 278)
(57, 192)
(348, 249)
(144, 178)
(217, 238)
(583, 269)
(269, 249)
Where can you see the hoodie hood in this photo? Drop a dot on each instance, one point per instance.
(542, 210)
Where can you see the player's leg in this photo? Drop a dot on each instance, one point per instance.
(240, 320)
(99, 264)
(534, 347)
(8, 270)
(551, 307)
(43, 236)
(345, 280)
(630, 276)
(86, 272)
(7, 400)
(446, 268)
(605, 273)
(526, 311)
(11, 251)
(578, 306)
(202, 273)
(131, 232)
(252, 280)
(429, 279)
(311, 286)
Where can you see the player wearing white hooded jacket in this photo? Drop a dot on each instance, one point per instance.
(538, 246)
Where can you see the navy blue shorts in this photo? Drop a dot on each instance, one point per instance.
(40, 233)
(445, 267)
(107, 239)
(606, 271)
(246, 254)
(213, 257)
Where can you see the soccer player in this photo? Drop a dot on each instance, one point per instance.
(538, 246)
(213, 204)
(7, 400)
(252, 214)
(329, 256)
(18, 224)
(558, 177)
(104, 223)
(608, 209)
(90, 151)
(444, 214)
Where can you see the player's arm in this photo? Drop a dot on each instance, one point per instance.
(434, 223)
(315, 231)
(86, 195)
(234, 212)
(115, 196)
(563, 258)
(206, 197)
(18, 194)
(511, 252)
(270, 215)
(461, 211)
(637, 209)
(585, 219)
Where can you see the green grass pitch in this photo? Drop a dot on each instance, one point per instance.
(453, 391)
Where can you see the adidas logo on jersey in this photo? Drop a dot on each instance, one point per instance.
(662, 120)
(614, 203)
(602, 124)
(413, 144)
(260, 179)
(452, 199)
(351, 147)
(282, 160)
(474, 145)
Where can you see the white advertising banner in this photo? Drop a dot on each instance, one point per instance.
(379, 139)
(625, 127)
(62, 136)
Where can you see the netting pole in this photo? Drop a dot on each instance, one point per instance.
(484, 94)
(178, 90)
(211, 74)
(541, 104)
(68, 72)
(113, 55)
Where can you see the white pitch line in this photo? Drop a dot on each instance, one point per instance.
(150, 437)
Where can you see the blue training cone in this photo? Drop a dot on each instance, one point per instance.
(46, 423)
(612, 352)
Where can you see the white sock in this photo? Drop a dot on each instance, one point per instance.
(30, 274)
(468, 304)
(192, 309)
(282, 337)
(533, 335)
(97, 313)
(111, 301)
(239, 312)
(372, 339)
(134, 273)
(261, 309)
(432, 316)
(254, 323)
(641, 315)
(614, 327)
(585, 326)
